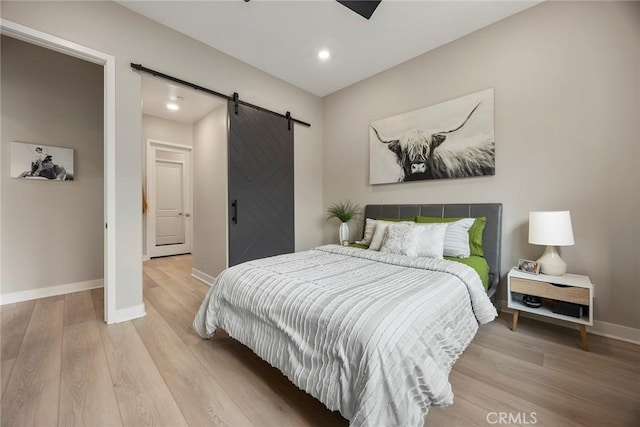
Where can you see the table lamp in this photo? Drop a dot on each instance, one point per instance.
(551, 229)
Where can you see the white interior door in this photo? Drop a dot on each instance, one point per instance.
(170, 203)
(169, 188)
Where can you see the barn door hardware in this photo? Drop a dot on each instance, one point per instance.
(235, 102)
(235, 98)
(234, 218)
(288, 116)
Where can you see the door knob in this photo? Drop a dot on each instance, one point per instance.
(180, 213)
(187, 214)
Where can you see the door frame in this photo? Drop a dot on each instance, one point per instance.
(153, 145)
(108, 62)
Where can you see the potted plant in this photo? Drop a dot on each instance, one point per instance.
(345, 212)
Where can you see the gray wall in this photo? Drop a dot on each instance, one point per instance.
(52, 232)
(165, 130)
(210, 237)
(129, 37)
(566, 78)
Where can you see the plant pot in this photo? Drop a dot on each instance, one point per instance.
(343, 233)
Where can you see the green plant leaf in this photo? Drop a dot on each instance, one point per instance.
(344, 211)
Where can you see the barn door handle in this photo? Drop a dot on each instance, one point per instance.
(234, 218)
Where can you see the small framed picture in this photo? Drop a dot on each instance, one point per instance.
(42, 162)
(529, 266)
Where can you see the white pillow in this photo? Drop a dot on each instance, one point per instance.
(399, 239)
(429, 240)
(456, 239)
(369, 228)
(378, 234)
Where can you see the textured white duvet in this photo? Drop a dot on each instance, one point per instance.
(369, 334)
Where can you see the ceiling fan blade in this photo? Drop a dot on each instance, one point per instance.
(364, 8)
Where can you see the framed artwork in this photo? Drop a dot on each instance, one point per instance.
(41, 162)
(453, 139)
(528, 266)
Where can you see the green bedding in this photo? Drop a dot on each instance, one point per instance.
(359, 246)
(478, 263)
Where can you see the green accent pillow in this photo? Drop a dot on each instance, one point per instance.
(381, 218)
(475, 232)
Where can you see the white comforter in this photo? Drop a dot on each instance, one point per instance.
(369, 334)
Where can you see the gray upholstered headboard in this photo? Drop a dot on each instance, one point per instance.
(491, 240)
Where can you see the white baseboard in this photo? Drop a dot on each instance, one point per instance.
(145, 257)
(50, 291)
(605, 329)
(203, 277)
(130, 313)
(619, 332)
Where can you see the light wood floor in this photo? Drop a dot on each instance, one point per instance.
(61, 365)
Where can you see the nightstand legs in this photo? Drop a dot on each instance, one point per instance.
(583, 336)
(516, 315)
(583, 330)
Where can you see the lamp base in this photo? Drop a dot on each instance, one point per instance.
(551, 263)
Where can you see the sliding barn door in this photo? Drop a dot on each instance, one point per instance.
(261, 218)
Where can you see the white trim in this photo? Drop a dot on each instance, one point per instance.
(110, 189)
(203, 277)
(152, 145)
(170, 146)
(39, 38)
(50, 291)
(605, 329)
(619, 332)
(145, 257)
(129, 313)
(67, 47)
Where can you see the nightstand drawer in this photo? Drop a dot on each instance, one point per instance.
(572, 294)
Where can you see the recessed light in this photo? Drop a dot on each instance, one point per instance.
(173, 106)
(324, 54)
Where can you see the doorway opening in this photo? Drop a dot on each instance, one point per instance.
(184, 185)
(66, 47)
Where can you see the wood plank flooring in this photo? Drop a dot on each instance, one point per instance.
(62, 365)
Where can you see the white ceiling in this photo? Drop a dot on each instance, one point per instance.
(282, 38)
(157, 92)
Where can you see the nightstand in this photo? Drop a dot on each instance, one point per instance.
(555, 291)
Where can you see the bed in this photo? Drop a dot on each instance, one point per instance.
(370, 334)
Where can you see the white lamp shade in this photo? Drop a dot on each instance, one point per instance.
(550, 228)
